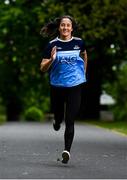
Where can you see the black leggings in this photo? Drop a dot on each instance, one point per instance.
(65, 103)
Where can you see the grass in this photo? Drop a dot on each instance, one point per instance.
(118, 126)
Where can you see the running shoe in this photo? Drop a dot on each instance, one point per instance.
(65, 156)
(56, 126)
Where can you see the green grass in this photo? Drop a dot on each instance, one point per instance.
(118, 126)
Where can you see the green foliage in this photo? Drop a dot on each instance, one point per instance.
(118, 90)
(21, 46)
(2, 119)
(2, 113)
(120, 94)
(40, 101)
(34, 114)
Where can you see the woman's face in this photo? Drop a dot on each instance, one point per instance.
(65, 28)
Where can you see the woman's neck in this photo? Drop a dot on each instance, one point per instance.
(65, 38)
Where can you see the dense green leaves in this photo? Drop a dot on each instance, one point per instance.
(118, 90)
(20, 55)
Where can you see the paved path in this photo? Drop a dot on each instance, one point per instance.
(30, 151)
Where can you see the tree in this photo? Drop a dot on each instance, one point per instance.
(20, 55)
(118, 90)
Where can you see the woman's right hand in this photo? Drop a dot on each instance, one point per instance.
(53, 53)
(46, 63)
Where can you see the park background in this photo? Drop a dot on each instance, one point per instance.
(24, 89)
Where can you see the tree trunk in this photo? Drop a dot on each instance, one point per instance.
(13, 109)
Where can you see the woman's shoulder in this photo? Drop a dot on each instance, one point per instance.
(53, 40)
(52, 43)
(79, 41)
(77, 38)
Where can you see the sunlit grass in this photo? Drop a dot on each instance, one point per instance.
(119, 126)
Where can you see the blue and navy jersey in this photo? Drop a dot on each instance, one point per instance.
(68, 68)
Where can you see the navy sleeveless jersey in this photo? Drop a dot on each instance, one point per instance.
(68, 68)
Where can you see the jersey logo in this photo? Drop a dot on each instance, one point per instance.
(59, 47)
(76, 47)
(67, 59)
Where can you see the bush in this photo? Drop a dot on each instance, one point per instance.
(118, 90)
(34, 114)
(120, 113)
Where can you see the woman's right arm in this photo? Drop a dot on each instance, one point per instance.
(46, 63)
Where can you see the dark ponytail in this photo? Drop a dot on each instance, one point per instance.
(49, 29)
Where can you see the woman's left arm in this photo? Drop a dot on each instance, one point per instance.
(85, 59)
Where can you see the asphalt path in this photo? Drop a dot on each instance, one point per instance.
(32, 150)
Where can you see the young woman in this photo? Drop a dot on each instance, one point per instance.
(65, 58)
